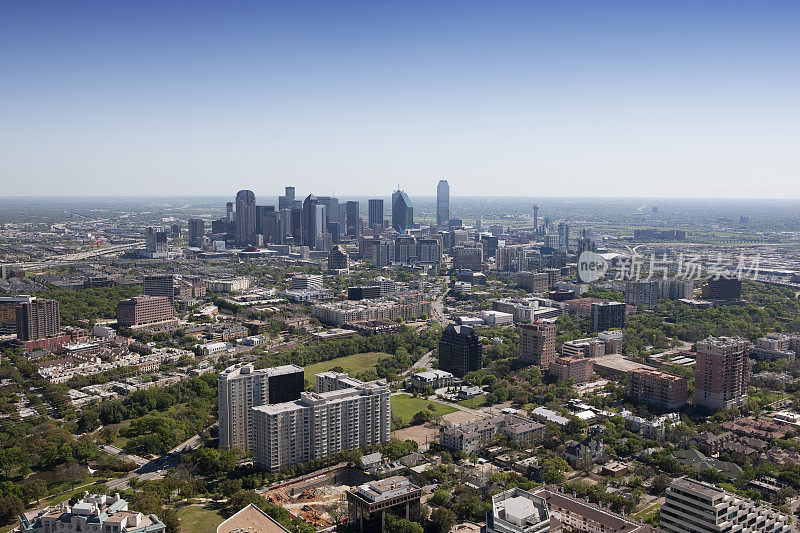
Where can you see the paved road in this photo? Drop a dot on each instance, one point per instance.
(150, 469)
(424, 363)
(437, 311)
(113, 450)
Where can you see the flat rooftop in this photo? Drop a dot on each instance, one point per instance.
(385, 489)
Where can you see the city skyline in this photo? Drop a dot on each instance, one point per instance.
(585, 99)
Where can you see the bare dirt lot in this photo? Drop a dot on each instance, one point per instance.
(422, 435)
(462, 417)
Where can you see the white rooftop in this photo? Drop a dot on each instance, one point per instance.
(518, 509)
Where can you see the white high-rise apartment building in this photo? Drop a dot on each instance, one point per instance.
(242, 387)
(695, 507)
(343, 414)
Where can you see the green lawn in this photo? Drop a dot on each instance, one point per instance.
(199, 519)
(352, 364)
(647, 513)
(474, 403)
(406, 407)
(68, 492)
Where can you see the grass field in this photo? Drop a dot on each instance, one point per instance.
(352, 364)
(405, 407)
(474, 403)
(647, 513)
(198, 519)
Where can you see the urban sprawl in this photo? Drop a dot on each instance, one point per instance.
(309, 364)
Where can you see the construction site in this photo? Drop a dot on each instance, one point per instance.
(320, 499)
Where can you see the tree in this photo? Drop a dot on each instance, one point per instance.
(440, 497)
(34, 490)
(660, 483)
(229, 487)
(401, 525)
(441, 520)
(73, 472)
(421, 417)
(11, 507)
(338, 512)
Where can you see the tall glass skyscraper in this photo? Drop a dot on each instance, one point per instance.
(442, 203)
(402, 211)
(245, 218)
(375, 212)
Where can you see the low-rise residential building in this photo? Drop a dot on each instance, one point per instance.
(546, 415)
(64, 369)
(471, 437)
(606, 342)
(373, 327)
(465, 393)
(307, 295)
(588, 449)
(390, 308)
(761, 428)
(579, 516)
(696, 459)
(654, 429)
(431, 378)
(227, 285)
(527, 310)
(773, 347)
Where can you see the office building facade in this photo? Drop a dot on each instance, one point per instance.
(155, 241)
(197, 230)
(723, 289)
(368, 504)
(695, 507)
(160, 285)
(352, 219)
(608, 315)
(313, 221)
(375, 212)
(402, 212)
(460, 350)
(245, 218)
(442, 204)
(144, 311)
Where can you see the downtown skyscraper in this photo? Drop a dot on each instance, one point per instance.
(402, 211)
(245, 218)
(375, 214)
(442, 204)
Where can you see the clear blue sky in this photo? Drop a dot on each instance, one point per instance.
(563, 98)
